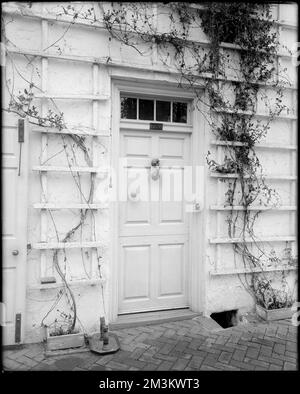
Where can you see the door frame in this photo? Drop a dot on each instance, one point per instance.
(22, 190)
(197, 229)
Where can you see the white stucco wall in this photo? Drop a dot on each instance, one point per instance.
(92, 44)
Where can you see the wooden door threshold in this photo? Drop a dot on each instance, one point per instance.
(148, 318)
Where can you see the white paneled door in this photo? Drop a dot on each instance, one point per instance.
(14, 232)
(153, 263)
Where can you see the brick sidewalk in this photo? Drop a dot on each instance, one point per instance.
(181, 345)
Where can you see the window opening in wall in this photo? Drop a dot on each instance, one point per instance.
(153, 110)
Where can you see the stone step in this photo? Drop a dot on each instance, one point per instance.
(207, 323)
(147, 318)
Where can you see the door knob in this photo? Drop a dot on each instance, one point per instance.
(133, 194)
(155, 169)
(15, 252)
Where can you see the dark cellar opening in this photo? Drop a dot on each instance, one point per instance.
(226, 319)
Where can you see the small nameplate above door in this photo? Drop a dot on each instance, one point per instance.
(156, 126)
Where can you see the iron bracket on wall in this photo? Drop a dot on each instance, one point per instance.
(21, 139)
(18, 328)
(21, 125)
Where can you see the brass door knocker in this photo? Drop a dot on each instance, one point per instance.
(155, 169)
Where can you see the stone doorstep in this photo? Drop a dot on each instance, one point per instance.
(151, 318)
(208, 324)
(15, 347)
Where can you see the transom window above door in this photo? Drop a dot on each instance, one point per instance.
(159, 110)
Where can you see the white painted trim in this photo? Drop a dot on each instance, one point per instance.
(114, 64)
(67, 245)
(251, 270)
(95, 97)
(113, 207)
(44, 151)
(259, 145)
(57, 205)
(82, 23)
(217, 175)
(254, 114)
(225, 240)
(88, 132)
(79, 282)
(253, 208)
(201, 237)
(68, 169)
(127, 124)
(153, 88)
(197, 234)
(21, 284)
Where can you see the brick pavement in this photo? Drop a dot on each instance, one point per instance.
(180, 345)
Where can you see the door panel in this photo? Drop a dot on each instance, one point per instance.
(153, 276)
(153, 223)
(14, 230)
(136, 262)
(171, 212)
(171, 147)
(171, 265)
(137, 145)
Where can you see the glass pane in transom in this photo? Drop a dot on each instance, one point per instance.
(146, 109)
(163, 111)
(128, 108)
(179, 112)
